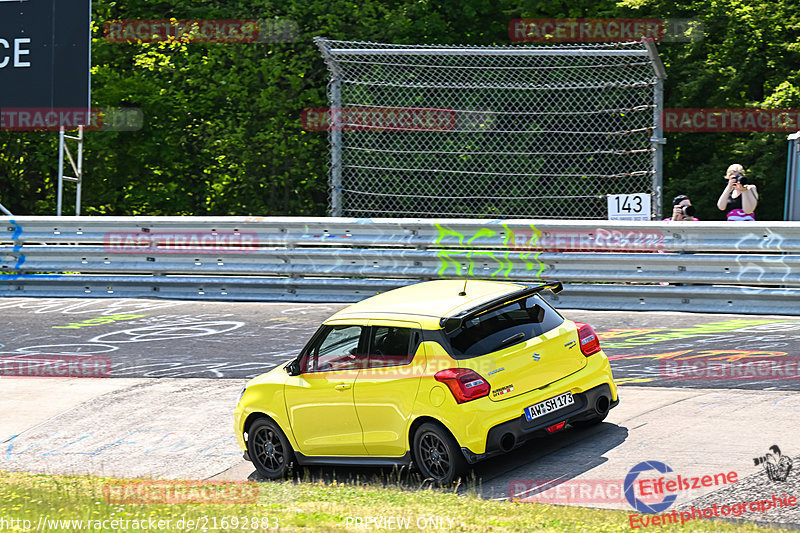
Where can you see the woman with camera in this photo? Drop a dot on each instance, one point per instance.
(739, 198)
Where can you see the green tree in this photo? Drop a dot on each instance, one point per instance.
(222, 132)
(748, 58)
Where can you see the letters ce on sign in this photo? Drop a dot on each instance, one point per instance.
(45, 53)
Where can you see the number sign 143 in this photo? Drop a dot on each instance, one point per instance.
(629, 206)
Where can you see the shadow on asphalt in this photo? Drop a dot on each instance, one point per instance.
(556, 458)
(553, 459)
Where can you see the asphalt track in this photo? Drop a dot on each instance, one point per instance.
(177, 339)
(701, 393)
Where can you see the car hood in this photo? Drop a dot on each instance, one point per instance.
(277, 375)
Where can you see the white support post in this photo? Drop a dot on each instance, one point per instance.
(77, 168)
(79, 173)
(60, 170)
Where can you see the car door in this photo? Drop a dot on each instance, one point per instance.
(386, 390)
(319, 401)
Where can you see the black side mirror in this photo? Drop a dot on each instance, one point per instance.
(293, 368)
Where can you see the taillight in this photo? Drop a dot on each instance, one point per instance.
(557, 427)
(465, 384)
(588, 339)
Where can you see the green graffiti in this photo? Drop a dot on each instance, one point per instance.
(108, 319)
(458, 259)
(685, 333)
(533, 242)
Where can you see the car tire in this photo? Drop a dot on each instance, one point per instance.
(437, 454)
(583, 424)
(269, 449)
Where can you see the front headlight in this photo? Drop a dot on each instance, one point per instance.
(240, 396)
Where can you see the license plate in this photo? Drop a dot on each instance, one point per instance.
(548, 406)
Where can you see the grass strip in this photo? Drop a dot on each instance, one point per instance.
(28, 501)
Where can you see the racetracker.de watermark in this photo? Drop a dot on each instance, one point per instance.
(176, 492)
(55, 366)
(124, 242)
(597, 240)
(569, 492)
(53, 119)
(229, 31)
(613, 491)
(730, 120)
(377, 119)
(558, 30)
(766, 368)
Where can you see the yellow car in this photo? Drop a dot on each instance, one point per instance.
(442, 374)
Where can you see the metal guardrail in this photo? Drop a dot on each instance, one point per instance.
(743, 268)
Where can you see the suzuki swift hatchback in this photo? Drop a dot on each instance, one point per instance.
(442, 374)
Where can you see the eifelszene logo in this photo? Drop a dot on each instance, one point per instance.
(669, 486)
(630, 493)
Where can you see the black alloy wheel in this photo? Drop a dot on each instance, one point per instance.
(437, 454)
(269, 449)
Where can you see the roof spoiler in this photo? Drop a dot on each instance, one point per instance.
(455, 322)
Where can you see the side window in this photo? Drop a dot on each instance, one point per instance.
(392, 346)
(338, 348)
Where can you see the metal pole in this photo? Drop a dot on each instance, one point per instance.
(60, 170)
(6, 211)
(336, 148)
(79, 171)
(658, 141)
(790, 203)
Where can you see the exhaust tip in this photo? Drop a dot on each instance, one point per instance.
(602, 405)
(507, 442)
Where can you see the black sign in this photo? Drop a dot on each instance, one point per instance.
(44, 54)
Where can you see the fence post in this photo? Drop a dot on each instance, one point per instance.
(657, 139)
(791, 205)
(336, 148)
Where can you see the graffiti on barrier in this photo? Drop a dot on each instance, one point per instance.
(496, 249)
(516, 246)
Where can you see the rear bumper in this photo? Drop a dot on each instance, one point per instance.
(498, 440)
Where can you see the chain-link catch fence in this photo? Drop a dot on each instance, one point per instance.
(506, 131)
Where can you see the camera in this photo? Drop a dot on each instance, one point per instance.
(688, 211)
(760, 460)
(740, 178)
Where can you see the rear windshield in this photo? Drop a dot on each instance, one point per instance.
(503, 327)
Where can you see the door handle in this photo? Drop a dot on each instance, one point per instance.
(342, 386)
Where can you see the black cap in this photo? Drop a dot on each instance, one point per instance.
(678, 199)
